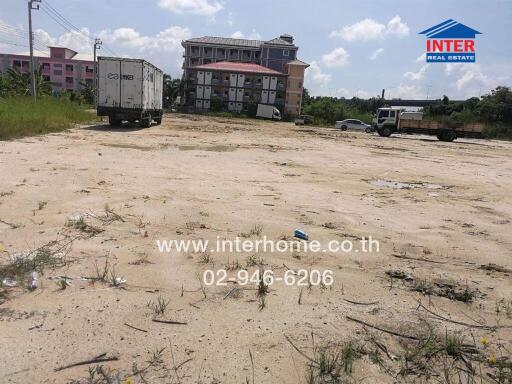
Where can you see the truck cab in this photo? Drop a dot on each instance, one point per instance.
(385, 121)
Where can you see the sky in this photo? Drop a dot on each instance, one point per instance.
(354, 48)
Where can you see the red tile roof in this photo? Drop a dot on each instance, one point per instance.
(238, 67)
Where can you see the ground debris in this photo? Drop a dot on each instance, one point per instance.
(495, 268)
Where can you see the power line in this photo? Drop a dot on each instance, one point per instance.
(17, 33)
(17, 37)
(67, 25)
(66, 21)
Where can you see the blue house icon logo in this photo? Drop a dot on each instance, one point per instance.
(450, 42)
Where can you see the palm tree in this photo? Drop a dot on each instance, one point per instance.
(172, 89)
(19, 84)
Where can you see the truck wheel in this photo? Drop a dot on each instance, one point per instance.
(114, 122)
(385, 132)
(368, 130)
(158, 121)
(343, 127)
(145, 122)
(448, 136)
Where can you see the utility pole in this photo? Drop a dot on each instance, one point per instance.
(32, 7)
(97, 45)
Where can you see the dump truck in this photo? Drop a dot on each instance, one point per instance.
(129, 90)
(391, 120)
(268, 112)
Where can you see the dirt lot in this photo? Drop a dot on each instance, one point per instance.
(200, 178)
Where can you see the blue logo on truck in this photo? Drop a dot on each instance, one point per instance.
(450, 42)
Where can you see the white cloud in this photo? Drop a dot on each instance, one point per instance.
(421, 58)
(396, 27)
(417, 75)
(76, 41)
(168, 40)
(336, 58)
(240, 35)
(44, 37)
(406, 91)
(316, 79)
(348, 94)
(230, 20)
(470, 79)
(376, 54)
(369, 29)
(197, 7)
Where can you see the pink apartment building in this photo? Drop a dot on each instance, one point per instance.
(60, 68)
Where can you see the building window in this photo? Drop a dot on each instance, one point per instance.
(16, 63)
(46, 66)
(69, 80)
(286, 52)
(57, 72)
(69, 68)
(46, 78)
(57, 65)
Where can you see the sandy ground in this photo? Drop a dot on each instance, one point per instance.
(199, 178)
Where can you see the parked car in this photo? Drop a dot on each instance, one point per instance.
(353, 125)
(304, 120)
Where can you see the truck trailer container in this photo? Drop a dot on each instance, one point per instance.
(265, 111)
(129, 90)
(390, 120)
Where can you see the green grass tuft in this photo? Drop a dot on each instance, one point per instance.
(22, 116)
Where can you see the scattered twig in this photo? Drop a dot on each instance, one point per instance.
(138, 329)
(229, 293)
(98, 359)
(183, 363)
(288, 268)
(169, 322)
(382, 329)
(360, 302)
(252, 364)
(417, 259)
(480, 326)
(298, 350)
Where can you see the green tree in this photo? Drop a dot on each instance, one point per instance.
(497, 106)
(172, 89)
(87, 92)
(325, 110)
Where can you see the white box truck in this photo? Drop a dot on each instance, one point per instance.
(268, 112)
(129, 90)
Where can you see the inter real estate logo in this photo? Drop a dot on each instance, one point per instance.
(450, 42)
